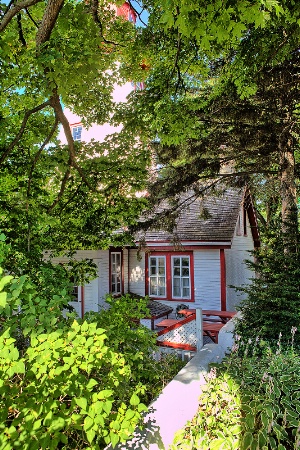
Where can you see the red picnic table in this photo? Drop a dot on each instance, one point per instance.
(211, 326)
(212, 330)
(224, 316)
(167, 323)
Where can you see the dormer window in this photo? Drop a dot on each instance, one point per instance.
(76, 132)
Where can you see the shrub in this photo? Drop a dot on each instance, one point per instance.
(273, 298)
(61, 386)
(66, 383)
(136, 343)
(251, 402)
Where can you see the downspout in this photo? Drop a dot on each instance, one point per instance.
(128, 272)
(223, 279)
(82, 301)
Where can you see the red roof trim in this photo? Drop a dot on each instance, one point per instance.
(185, 249)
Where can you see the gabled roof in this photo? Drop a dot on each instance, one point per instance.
(208, 219)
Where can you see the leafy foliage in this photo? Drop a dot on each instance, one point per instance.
(272, 301)
(249, 402)
(222, 92)
(67, 383)
(136, 343)
(55, 54)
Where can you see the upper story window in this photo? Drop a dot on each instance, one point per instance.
(116, 273)
(170, 276)
(76, 132)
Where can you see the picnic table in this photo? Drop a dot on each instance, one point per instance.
(167, 323)
(223, 316)
(212, 330)
(211, 326)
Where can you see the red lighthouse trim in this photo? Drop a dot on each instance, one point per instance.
(127, 12)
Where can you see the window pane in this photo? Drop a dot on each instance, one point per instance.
(153, 262)
(176, 291)
(157, 279)
(76, 132)
(181, 276)
(152, 270)
(161, 281)
(186, 292)
(176, 272)
(185, 282)
(116, 273)
(176, 282)
(161, 262)
(161, 291)
(152, 288)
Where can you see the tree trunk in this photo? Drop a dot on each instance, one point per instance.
(287, 184)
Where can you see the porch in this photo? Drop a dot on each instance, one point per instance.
(187, 334)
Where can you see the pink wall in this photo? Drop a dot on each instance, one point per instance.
(97, 132)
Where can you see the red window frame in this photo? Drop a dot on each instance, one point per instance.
(168, 257)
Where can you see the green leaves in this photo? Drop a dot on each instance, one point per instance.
(240, 409)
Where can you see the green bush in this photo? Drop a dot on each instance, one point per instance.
(249, 402)
(68, 383)
(272, 302)
(136, 343)
(66, 388)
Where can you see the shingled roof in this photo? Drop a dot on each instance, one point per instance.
(207, 219)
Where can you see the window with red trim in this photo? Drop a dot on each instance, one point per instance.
(170, 276)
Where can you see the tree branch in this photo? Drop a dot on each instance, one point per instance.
(31, 18)
(10, 14)
(137, 13)
(49, 19)
(20, 29)
(62, 187)
(56, 105)
(38, 154)
(94, 9)
(22, 129)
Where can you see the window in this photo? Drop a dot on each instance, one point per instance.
(181, 277)
(75, 290)
(76, 132)
(116, 273)
(170, 276)
(157, 276)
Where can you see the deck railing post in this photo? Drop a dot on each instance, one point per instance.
(199, 331)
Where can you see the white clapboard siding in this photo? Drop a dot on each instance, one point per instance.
(207, 278)
(137, 273)
(90, 290)
(237, 272)
(91, 296)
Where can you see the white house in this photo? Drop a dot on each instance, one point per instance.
(196, 265)
(197, 268)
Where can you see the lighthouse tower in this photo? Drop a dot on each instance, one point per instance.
(99, 132)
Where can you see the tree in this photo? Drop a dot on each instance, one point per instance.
(221, 73)
(55, 54)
